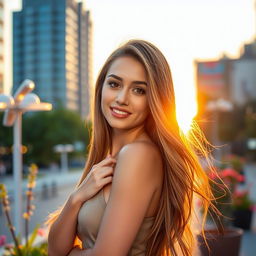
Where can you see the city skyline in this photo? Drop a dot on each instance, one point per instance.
(192, 30)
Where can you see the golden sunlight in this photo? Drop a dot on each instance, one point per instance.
(185, 113)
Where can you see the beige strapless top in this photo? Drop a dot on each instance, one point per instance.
(89, 219)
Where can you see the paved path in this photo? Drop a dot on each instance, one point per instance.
(46, 178)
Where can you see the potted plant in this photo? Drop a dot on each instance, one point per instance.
(221, 237)
(234, 162)
(242, 209)
(17, 248)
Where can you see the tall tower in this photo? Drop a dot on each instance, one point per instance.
(85, 60)
(47, 49)
(1, 46)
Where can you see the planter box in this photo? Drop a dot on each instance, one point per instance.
(221, 244)
(242, 219)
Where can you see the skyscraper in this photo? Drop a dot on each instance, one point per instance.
(1, 46)
(49, 37)
(85, 61)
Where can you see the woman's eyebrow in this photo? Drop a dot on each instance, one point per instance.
(121, 79)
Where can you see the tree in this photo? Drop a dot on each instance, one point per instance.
(6, 139)
(43, 130)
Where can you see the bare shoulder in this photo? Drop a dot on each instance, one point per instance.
(140, 149)
(143, 154)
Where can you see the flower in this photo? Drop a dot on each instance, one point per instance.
(234, 161)
(17, 248)
(241, 200)
(2, 240)
(226, 189)
(41, 232)
(231, 178)
(3, 192)
(9, 246)
(25, 215)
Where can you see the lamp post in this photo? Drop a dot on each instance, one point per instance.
(22, 101)
(64, 150)
(215, 107)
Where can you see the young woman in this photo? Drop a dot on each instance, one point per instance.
(135, 196)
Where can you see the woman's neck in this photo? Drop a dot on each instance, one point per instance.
(121, 138)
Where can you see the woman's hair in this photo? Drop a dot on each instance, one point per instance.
(183, 174)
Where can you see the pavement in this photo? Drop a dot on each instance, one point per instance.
(48, 180)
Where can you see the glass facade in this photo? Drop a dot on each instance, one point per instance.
(46, 49)
(85, 62)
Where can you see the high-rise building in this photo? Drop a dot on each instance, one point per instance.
(222, 85)
(1, 46)
(243, 75)
(213, 81)
(233, 80)
(49, 47)
(85, 61)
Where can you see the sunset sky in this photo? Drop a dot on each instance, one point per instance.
(184, 30)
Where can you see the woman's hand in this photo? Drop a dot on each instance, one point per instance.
(100, 175)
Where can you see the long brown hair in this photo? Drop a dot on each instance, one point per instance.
(183, 174)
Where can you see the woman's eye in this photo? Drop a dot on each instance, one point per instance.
(139, 91)
(112, 84)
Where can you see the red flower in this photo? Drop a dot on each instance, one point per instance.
(2, 240)
(41, 232)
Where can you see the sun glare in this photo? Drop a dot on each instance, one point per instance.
(185, 113)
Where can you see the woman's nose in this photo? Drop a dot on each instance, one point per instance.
(122, 98)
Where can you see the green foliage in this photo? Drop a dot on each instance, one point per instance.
(30, 249)
(18, 248)
(233, 161)
(242, 201)
(228, 195)
(5, 133)
(250, 126)
(222, 202)
(32, 237)
(43, 130)
(231, 124)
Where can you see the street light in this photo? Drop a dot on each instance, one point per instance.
(64, 150)
(215, 107)
(22, 101)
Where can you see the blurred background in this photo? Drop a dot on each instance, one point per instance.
(61, 46)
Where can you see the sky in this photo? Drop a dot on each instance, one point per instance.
(184, 30)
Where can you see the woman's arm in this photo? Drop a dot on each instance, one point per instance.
(63, 231)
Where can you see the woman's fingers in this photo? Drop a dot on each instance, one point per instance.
(107, 180)
(105, 171)
(107, 161)
(100, 175)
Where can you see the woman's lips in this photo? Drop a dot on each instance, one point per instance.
(119, 113)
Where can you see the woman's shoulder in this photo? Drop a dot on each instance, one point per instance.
(142, 153)
(141, 148)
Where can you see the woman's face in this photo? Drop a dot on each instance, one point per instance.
(124, 102)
